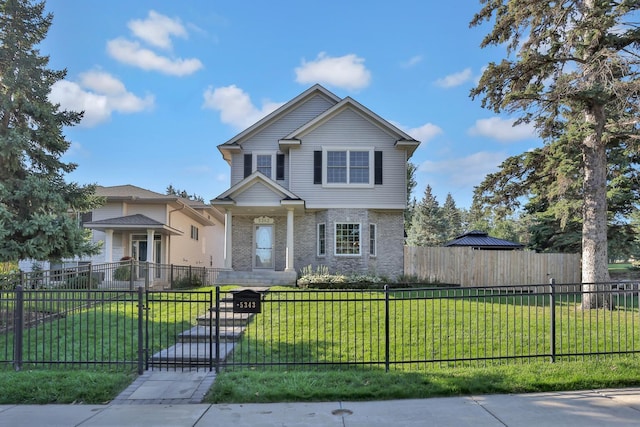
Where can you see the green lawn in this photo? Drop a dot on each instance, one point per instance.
(258, 386)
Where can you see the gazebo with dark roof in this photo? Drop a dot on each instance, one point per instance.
(481, 240)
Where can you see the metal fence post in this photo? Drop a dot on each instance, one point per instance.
(146, 275)
(217, 328)
(140, 331)
(18, 325)
(131, 266)
(386, 328)
(552, 307)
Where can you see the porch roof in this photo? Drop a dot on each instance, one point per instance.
(136, 222)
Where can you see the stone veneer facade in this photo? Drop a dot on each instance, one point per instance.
(388, 260)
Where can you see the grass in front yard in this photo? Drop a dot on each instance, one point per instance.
(253, 386)
(51, 386)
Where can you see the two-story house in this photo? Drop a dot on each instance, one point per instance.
(320, 181)
(148, 227)
(154, 227)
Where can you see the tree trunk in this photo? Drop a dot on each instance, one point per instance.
(595, 272)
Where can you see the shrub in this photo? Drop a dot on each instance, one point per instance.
(82, 281)
(187, 282)
(122, 273)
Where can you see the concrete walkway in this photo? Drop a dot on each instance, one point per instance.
(619, 407)
(167, 388)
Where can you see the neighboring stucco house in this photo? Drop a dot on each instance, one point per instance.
(183, 231)
(320, 181)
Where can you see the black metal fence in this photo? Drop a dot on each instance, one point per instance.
(102, 328)
(403, 329)
(410, 329)
(127, 274)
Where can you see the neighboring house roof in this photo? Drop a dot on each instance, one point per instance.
(482, 240)
(133, 194)
(132, 222)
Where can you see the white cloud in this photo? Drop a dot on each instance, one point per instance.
(456, 79)
(475, 166)
(98, 94)
(425, 132)
(130, 52)
(414, 60)
(157, 29)
(346, 72)
(502, 129)
(235, 106)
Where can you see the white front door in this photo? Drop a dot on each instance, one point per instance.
(263, 247)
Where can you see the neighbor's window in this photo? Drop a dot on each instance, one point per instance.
(347, 239)
(372, 239)
(194, 232)
(322, 240)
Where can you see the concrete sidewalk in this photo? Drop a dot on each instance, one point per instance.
(620, 407)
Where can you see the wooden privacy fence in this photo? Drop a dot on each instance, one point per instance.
(471, 267)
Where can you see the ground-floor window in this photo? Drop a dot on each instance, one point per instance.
(322, 240)
(372, 239)
(347, 240)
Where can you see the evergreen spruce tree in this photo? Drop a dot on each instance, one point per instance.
(427, 226)
(37, 206)
(452, 218)
(572, 69)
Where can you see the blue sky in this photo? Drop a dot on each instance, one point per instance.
(163, 83)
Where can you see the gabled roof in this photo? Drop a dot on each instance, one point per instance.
(252, 180)
(129, 191)
(233, 143)
(482, 240)
(403, 139)
(132, 222)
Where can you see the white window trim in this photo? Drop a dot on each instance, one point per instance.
(326, 184)
(335, 239)
(318, 253)
(254, 161)
(373, 251)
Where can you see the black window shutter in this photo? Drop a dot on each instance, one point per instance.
(317, 167)
(280, 166)
(377, 168)
(247, 165)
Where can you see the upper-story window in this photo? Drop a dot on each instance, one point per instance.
(263, 164)
(266, 163)
(348, 167)
(360, 167)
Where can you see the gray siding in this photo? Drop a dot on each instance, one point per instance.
(267, 139)
(345, 130)
(258, 195)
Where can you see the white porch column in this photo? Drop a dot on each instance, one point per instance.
(108, 245)
(228, 224)
(150, 255)
(289, 262)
